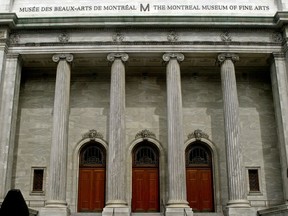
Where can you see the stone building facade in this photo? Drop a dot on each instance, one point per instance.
(140, 108)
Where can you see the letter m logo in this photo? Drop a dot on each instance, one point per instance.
(144, 9)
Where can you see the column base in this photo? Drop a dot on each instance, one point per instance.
(241, 212)
(54, 211)
(238, 204)
(116, 208)
(178, 208)
(172, 211)
(117, 211)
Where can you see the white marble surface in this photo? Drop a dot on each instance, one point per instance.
(8, 112)
(234, 151)
(58, 158)
(25, 8)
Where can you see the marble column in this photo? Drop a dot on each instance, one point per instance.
(280, 98)
(117, 146)
(56, 203)
(177, 202)
(9, 94)
(3, 51)
(235, 168)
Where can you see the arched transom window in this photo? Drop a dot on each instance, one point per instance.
(145, 154)
(198, 155)
(93, 154)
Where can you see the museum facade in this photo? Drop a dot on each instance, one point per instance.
(120, 109)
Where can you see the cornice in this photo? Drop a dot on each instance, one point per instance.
(8, 19)
(208, 22)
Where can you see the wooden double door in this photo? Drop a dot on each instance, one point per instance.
(145, 190)
(199, 189)
(91, 182)
(145, 178)
(91, 196)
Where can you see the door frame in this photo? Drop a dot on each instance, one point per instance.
(161, 168)
(215, 166)
(74, 173)
(103, 169)
(148, 145)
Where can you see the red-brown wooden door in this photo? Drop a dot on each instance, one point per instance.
(91, 197)
(145, 178)
(199, 189)
(92, 172)
(145, 190)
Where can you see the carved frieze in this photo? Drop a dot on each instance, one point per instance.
(14, 38)
(277, 37)
(198, 135)
(64, 38)
(2, 34)
(145, 134)
(92, 134)
(226, 36)
(172, 37)
(118, 37)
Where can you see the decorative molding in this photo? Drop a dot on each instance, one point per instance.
(57, 57)
(112, 56)
(145, 134)
(277, 37)
(172, 36)
(64, 37)
(226, 36)
(14, 38)
(14, 56)
(92, 134)
(198, 135)
(118, 37)
(168, 56)
(278, 55)
(224, 56)
(2, 34)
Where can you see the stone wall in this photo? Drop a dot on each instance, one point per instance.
(146, 109)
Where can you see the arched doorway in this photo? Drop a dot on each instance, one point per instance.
(145, 178)
(199, 177)
(92, 172)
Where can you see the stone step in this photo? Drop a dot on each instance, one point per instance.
(207, 214)
(147, 214)
(86, 214)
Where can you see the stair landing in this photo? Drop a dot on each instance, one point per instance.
(147, 214)
(86, 214)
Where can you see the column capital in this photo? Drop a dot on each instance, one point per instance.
(277, 55)
(112, 56)
(167, 56)
(224, 56)
(63, 56)
(15, 56)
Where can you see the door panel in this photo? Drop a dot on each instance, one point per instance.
(91, 191)
(199, 189)
(145, 190)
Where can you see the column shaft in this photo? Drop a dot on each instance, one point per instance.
(236, 178)
(280, 98)
(117, 145)
(176, 155)
(58, 155)
(9, 91)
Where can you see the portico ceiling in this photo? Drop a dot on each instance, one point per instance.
(138, 61)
